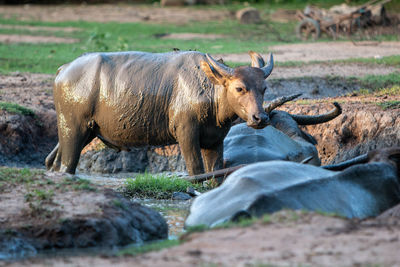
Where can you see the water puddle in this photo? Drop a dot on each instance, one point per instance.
(173, 211)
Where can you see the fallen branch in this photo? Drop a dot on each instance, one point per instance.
(219, 175)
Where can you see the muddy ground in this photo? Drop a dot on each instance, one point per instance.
(305, 239)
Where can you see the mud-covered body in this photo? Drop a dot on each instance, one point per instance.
(131, 99)
(131, 107)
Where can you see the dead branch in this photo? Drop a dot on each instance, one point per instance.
(219, 175)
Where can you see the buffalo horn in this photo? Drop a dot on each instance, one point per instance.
(317, 119)
(220, 68)
(256, 60)
(345, 164)
(268, 68)
(279, 102)
(306, 160)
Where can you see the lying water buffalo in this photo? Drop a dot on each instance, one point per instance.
(359, 191)
(283, 140)
(132, 99)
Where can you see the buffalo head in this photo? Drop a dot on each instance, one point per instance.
(244, 87)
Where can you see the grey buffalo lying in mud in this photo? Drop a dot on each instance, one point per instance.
(283, 140)
(362, 190)
(130, 99)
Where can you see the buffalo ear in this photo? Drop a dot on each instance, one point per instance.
(212, 74)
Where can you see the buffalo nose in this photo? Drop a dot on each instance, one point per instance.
(260, 119)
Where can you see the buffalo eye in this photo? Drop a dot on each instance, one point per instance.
(239, 89)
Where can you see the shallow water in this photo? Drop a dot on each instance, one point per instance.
(173, 211)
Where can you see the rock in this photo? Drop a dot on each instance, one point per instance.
(165, 159)
(180, 196)
(111, 161)
(13, 246)
(70, 213)
(248, 15)
(152, 160)
(360, 191)
(391, 213)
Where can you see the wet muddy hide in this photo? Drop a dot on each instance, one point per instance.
(244, 145)
(138, 99)
(360, 191)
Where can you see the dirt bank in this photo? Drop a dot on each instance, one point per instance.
(50, 210)
(285, 239)
(363, 126)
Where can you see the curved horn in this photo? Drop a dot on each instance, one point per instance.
(317, 119)
(279, 102)
(220, 68)
(376, 155)
(345, 164)
(256, 60)
(268, 68)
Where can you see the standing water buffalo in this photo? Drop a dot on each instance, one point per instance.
(132, 99)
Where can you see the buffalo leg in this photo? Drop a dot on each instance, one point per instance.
(188, 139)
(71, 146)
(51, 157)
(212, 158)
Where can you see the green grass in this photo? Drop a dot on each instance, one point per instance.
(17, 176)
(377, 82)
(156, 186)
(77, 184)
(388, 61)
(46, 58)
(92, 36)
(155, 246)
(393, 104)
(386, 91)
(17, 109)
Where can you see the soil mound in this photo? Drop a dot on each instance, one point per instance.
(361, 128)
(46, 211)
(25, 140)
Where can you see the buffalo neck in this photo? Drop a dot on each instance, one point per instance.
(223, 111)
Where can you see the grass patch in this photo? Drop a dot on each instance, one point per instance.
(394, 104)
(388, 91)
(375, 82)
(388, 61)
(113, 36)
(17, 176)
(105, 37)
(17, 109)
(77, 184)
(157, 186)
(156, 246)
(394, 90)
